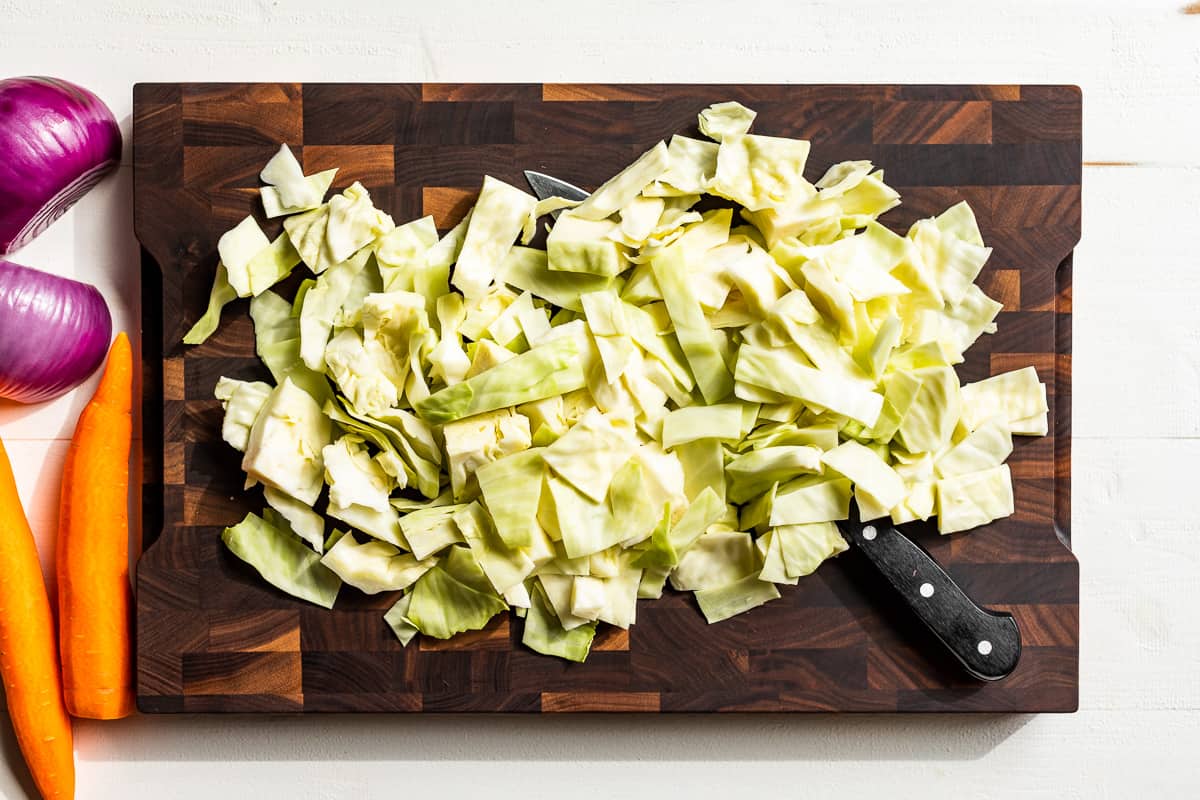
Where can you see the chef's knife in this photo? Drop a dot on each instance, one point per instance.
(986, 643)
(545, 186)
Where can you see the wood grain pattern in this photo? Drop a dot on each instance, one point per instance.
(213, 637)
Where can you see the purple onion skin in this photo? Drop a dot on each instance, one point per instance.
(54, 333)
(57, 140)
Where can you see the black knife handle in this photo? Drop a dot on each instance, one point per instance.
(987, 643)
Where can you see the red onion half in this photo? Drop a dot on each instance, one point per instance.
(57, 140)
(54, 332)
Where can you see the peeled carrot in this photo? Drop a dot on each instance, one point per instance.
(28, 655)
(93, 550)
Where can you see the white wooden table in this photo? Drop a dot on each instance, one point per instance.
(1136, 372)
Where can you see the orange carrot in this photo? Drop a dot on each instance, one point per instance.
(93, 550)
(28, 655)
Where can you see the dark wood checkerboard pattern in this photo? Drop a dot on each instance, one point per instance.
(212, 637)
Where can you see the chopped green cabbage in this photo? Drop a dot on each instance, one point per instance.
(590, 453)
(735, 598)
(496, 222)
(373, 567)
(397, 619)
(452, 597)
(512, 490)
(717, 559)
(625, 185)
(977, 498)
(1011, 397)
(545, 634)
(761, 171)
(811, 499)
(726, 119)
(282, 560)
(222, 295)
(549, 369)
(753, 473)
(242, 401)
(305, 523)
(721, 421)
(700, 344)
(867, 470)
(284, 447)
(656, 395)
(805, 547)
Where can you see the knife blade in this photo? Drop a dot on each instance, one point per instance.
(986, 643)
(545, 186)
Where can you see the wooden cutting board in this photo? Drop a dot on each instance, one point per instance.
(211, 636)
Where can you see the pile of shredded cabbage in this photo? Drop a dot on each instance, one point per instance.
(660, 394)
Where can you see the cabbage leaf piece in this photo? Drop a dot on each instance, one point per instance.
(726, 119)
(321, 306)
(512, 489)
(222, 294)
(776, 371)
(721, 421)
(548, 369)
(753, 473)
(354, 222)
(242, 402)
(705, 510)
(305, 523)
(504, 567)
(282, 560)
(453, 597)
(277, 342)
(276, 203)
(285, 443)
(404, 264)
(955, 263)
(373, 567)
(496, 222)
(288, 190)
(396, 338)
(237, 247)
(930, 420)
(1010, 396)
(589, 454)
(361, 378)
(545, 634)
(428, 531)
(811, 499)
(558, 590)
(985, 447)
(700, 344)
(397, 619)
(382, 525)
(354, 478)
(633, 508)
(977, 498)
(627, 184)
(528, 269)
(691, 164)
(586, 525)
(716, 559)
(580, 245)
(735, 598)
(762, 171)
(448, 360)
(805, 547)
(331, 233)
(868, 471)
(476, 440)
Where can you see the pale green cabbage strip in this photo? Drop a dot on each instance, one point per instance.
(660, 396)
